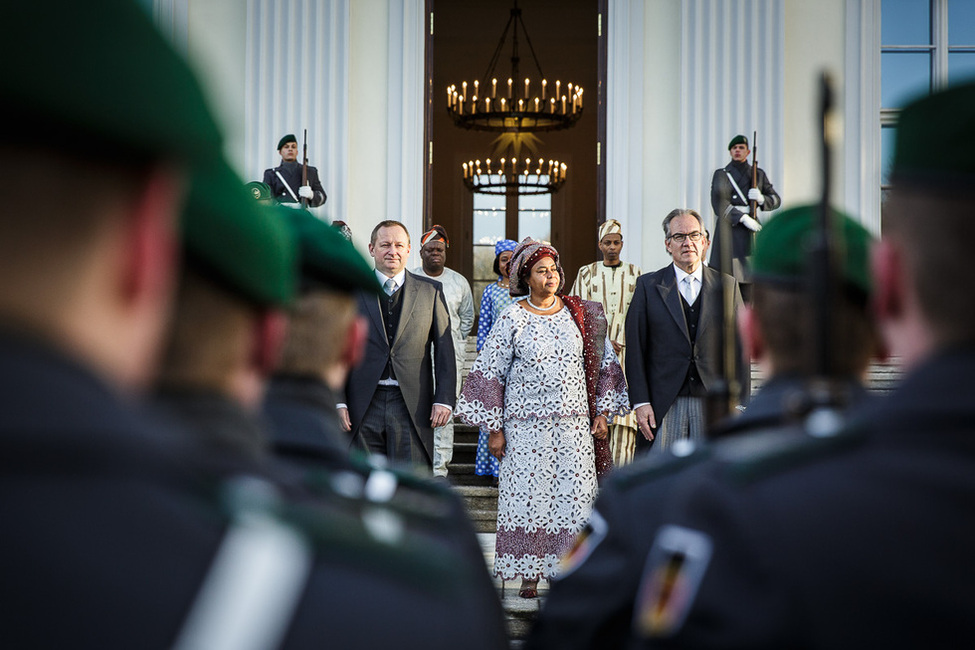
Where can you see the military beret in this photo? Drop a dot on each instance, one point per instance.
(238, 241)
(286, 139)
(781, 250)
(327, 258)
(935, 135)
(738, 139)
(259, 191)
(102, 81)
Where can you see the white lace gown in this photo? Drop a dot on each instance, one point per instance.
(529, 381)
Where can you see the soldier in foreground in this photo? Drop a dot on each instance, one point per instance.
(857, 537)
(591, 604)
(119, 532)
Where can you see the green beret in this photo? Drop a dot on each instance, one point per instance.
(935, 136)
(259, 191)
(238, 241)
(100, 80)
(738, 139)
(781, 250)
(327, 258)
(286, 139)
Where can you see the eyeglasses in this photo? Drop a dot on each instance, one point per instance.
(680, 237)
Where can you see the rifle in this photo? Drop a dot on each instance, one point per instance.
(753, 205)
(304, 166)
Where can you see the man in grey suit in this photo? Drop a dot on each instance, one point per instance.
(393, 400)
(673, 332)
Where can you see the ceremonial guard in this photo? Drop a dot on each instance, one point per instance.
(612, 283)
(738, 191)
(293, 181)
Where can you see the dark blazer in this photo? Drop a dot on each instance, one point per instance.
(659, 349)
(423, 321)
(292, 174)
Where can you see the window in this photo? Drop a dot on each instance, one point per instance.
(921, 51)
(489, 229)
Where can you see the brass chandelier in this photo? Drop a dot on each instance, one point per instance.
(517, 111)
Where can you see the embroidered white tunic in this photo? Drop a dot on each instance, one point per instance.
(529, 381)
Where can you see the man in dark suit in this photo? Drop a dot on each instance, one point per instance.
(673, 332)
(393, 401)
(285, 179)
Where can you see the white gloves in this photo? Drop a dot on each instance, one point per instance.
(750, 223)
(756, 196)
(305, 192)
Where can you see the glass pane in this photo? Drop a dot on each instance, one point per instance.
(484, 263)
(905, 22)
(535, 215)
(961, 22)
(887, 134)
(903, 76)
(961, 67)
(488, 218)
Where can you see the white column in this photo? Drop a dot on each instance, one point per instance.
(624, 122)
(862, 112)
(404, 124)
(731, 83)
(297, 77)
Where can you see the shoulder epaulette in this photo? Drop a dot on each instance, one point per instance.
(372, 537)
(657, 467)
(749, 457)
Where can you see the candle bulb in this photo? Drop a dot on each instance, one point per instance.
(476, 83)
(488, 163)
(558, 85)
(455, 100)
(463, 89)
(536, 104)
(570, 89)
(509, 88)
(473, 104)
(487, 104)
(553, 105)
(502, 104)
(544, 84)
(494, 88)
(465, 170)
(549, 167)
(502, 166)
(521, 105)
(526, 87)
(563, 104)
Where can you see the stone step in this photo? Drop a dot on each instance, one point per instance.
(520, 613)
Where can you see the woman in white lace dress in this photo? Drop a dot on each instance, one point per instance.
(544, 384)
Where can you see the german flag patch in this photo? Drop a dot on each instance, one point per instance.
(673, 573)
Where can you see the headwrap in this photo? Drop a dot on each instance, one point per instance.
(505, 245)
(437, 233)
(286, 139)
(738, 139)
(610, 227)
(526, 255)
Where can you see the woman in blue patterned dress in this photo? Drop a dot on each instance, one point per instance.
(493, 301)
